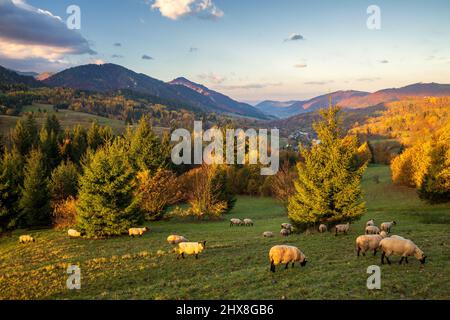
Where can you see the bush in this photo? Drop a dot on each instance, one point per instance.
(64, 213)
(157, 192)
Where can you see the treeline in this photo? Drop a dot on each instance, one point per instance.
(422, 127)
(100, 183)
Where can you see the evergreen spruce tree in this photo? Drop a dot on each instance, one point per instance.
(52, 125)
(25, 134)
(64, 181)
(220, 183)
(107, 205)
(35, 200)
(146, 151)
(11, 175)
(49, 146)
(94, 136)
(328, 189)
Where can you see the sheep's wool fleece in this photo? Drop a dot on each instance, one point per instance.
(285, 254)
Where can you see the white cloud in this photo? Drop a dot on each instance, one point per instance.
(175, 9)
(295, 37)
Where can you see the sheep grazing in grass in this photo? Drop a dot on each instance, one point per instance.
(175, 239)
(26, 239)
(287, 226)
(236, 222)
(394, 236)
(285, 255)
(372, 230)
(342, 228)
(72, 233)
(323, 228)
(132, 232)
(268, 234)
(371, 222)
(285, 232)
(400, 247)
(386, 226)
(190, 248)
(368, 242)
(248, 222)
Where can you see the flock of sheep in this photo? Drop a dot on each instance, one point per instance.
(375, 238)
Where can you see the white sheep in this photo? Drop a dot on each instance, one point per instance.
(132, 232)
(236, 222)
(372, 230)
(394, 236)
(268, 234)
(368, 242)
(285, 232)
(342, 228)
(287, 226)
(26, 238)
(284, 255)
(73, 233)
(400, 247)
(176, 239)
(371, 222)
(323, 228)
(386, 226)
(190, 248)
(248, 222)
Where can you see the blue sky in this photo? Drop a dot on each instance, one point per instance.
(240, 47)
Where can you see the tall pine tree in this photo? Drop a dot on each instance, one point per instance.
(107, 205)
(328, 189)
(35, 200)
(11, 168)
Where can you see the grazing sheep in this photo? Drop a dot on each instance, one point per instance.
(323, 228)
(287, 226)
(175, 239)
(285, 232)
(285, 255)
(268, 234)
(372, 230)
(342, 228)
(236, 222)
(132, 232)
(190, 248)
(368, 242)
(26, 238)
(248, 222)
(386, 226)
(73, 233)
(371, 222)
(400, 247)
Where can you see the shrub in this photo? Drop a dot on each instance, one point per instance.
(64, 213)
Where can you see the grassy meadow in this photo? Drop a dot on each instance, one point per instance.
(235, 263)
(67, 119)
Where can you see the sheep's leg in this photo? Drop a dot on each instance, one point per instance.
(382, 257)
(374, 252)
(196, 256)
(272, 266)
(389, 261)
(406, 259)
(358, 251)
(401, 260)
(182, 255)
(287, 266)
(293, 263)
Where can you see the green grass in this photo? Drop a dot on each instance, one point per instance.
(235, 263)
(67, 119)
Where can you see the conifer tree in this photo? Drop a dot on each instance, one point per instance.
(52, 125)
(25, 134)
(11, 175)
(49, 146)
(107, 205)
(35, 200)
(64, 181)
(328, 188)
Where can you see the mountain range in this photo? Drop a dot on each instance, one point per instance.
(183, 93)
(353, 99)
(180, 92)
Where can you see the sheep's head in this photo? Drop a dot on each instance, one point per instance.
(303, 263)
(394, 223)
(420, 255)
(202, 245)
(146, 229)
